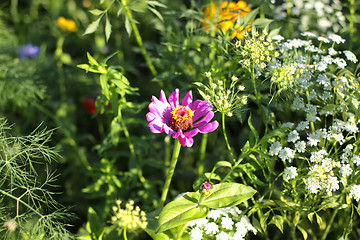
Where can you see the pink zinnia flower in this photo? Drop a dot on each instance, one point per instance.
(183, 121)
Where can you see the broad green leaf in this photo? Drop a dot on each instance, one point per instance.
(181, 211)
(278, 220)
(228, 195)
(93, 26)
(152, 219)
(107, 28)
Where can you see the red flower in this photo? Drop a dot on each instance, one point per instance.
(89, 104)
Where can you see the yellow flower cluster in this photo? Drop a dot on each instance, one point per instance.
(66, 25)
(256, 49)
(130, 218)
(225, 17)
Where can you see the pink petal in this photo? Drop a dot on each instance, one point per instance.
(201, 108)
(174, 99)
(168, 130)
(155, 128)
(204, 120)
(186, 142)
(187, 100)
(191, 133)
(210, 127)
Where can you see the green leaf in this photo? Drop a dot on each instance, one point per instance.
(181, 211)
(228, 195)
(95, 225)
(249, 169)
(156, 12)
(128, 26)
(105, 86)
(222, 164)
(261, 22)
(107, 28)
(92, 60)
(278, 220)
(254, 133)
(93, 26)
(303, 232)
(96, 12)
(152, 219)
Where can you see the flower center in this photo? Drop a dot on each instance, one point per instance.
(181, 118)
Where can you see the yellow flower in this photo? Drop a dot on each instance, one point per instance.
(225, 17)
(66, 25)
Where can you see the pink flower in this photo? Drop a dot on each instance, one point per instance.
(183, 121)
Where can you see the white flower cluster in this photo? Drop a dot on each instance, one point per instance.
(325, 136)
(315, 15)
(221, 224)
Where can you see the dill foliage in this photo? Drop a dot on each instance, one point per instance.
(28, 209)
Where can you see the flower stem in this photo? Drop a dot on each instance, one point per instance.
(225, 137)
(202, 154)
(170, 172)
(138, 37)
(124, 234)
(258, 97)
(329, 225)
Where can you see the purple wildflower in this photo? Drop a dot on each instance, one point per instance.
(29, 51)
(183, 121)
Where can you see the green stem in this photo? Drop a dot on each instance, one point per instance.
(202, 154)
(258, 97)
(14, 11)
(225, 137)
(124, 234)
(329, 225)
(181, 231)
(18, 200)
(138, 38)
(170, 172)
(131, 146)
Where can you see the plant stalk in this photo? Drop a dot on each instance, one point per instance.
(170, 172)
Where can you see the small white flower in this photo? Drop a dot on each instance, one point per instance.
(211, 228)
(227, 222)
(287, 124)
(322, 39)
(286, 154)
(275, 148)
(341, 63)
(300, 146)
(332, 184)
(312, 184)
(289, 173)
(214, 214)
(355, 192)
(223, 236)
(298, 103)
(345, 170)
(336, 38)
(356, 160)
(196, 234)
(350, 56)
(313, 139)
(293, 136)
(332, 51)
(302, 125)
